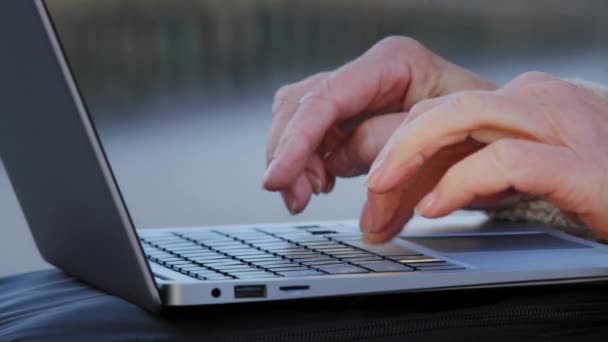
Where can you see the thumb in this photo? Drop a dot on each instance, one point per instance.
(355, 155)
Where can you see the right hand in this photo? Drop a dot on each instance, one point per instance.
(335, 123)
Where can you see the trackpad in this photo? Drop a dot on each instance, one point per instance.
(488, 243)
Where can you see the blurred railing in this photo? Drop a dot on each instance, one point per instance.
(128, 50)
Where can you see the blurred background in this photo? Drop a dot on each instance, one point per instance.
(181, 90)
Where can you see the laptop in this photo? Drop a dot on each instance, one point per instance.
(80, 223)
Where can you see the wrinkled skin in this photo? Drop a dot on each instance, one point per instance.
(396, 98)
(537, 135)
(335, 123)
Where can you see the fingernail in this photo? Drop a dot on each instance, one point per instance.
(426, 204)
(293, 207)
(290, 202)
(374, 173)
(330, 186)
(269, 170)
(317, 185)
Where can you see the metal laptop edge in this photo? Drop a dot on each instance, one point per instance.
(80, 223)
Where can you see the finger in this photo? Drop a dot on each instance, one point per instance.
(316, 173)
(379, 209)
(485, 117)
(297, 195)
(388, 212)
(526, 166)
(285, 104)
(395, 213)
(332, 139)
(354, 156)
(331, 183)
(347, 92)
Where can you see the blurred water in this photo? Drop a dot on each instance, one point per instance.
(187, 145)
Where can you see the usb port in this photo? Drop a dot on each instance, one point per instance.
(250, 291)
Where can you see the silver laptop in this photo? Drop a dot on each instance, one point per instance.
(80, 223)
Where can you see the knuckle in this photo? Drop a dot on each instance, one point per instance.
(563, 87)
(505, 152)
(280, 97)
(533, 77)
(317, 98)
(421, 107)
(395, 44)
(363, 144)
(290, 92)
(467, 98)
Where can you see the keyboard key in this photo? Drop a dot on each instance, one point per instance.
(341, 269)
(287, 268)
(260, 258)
(303, 273)
(333, 248)
(203, 255)
(274, 263)
(170, 259)
(303, 255)
(195, 268)
(355, 254)
(208, 259)
(387, 249)
(277, 244)
(227, 263)
(233, 249)
(293, 249)
(230, 269)
(313, 259)
(177, 262)
(324, 262)
(356, 259)
(385, 266)
(248, 253)
(417, 259)
(219, 243)
(321, 231)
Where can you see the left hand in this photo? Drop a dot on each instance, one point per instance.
(537, 135)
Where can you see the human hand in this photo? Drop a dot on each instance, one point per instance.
(537, 135)
(332, 124)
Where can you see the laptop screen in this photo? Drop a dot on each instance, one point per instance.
(181, 91)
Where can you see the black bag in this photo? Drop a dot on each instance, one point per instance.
(49, 306)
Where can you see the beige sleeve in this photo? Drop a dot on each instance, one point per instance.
(538, 210)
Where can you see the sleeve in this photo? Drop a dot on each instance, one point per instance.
(535, 209)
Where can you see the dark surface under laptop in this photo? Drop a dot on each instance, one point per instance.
(50, 306)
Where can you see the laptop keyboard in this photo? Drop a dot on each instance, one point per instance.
(260, 254)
